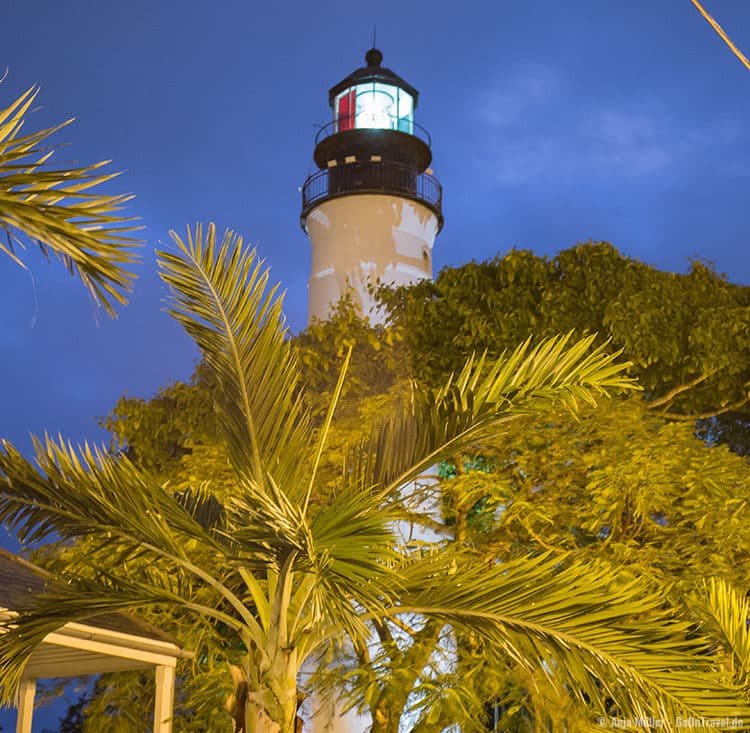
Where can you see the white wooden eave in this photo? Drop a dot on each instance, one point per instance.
(79, 649)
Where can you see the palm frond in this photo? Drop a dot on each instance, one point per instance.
(220, 295)
(91, 494)
(57, 209)
(358, 563)
(439, 422)
(728, 613)
(607, 640)
(203, 506)
(87, 492)
(344, 549)
(140, 538)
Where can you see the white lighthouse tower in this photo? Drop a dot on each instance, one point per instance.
(374, 207)
(372, 211)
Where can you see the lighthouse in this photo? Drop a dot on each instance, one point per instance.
(373, 207)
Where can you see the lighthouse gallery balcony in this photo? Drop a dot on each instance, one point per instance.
(381, 176)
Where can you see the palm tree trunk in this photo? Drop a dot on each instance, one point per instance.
(253, 718)
(264, 710)
(257, 721)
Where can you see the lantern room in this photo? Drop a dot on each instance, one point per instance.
(373, 115)
(373, 97)
(374, 105)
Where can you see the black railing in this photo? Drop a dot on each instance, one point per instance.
(345, 124)
(373, 177)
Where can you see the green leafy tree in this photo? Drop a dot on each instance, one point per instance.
(687, 336)
(682, 505)
(289, 577)
(663, 502)
(59, 210)
(619, 484)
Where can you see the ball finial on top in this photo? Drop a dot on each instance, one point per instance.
(373, 57)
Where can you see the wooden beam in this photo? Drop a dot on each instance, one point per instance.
(164, 699)
(26, 692)
(78, 664)
(59, 638)
(86, 631)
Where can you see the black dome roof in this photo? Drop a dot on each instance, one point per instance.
(372, 72)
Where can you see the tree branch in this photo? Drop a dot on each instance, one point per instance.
(705, 415)
(667, 398)
(383, 632)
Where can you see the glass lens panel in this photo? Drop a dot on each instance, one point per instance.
(344, 110)
(405, 112)
(376, 106)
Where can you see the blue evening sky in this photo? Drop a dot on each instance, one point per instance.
(551, 122)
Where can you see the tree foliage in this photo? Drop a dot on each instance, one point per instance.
(687, 336)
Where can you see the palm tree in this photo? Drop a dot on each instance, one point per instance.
(58, 210)
(293, 568)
